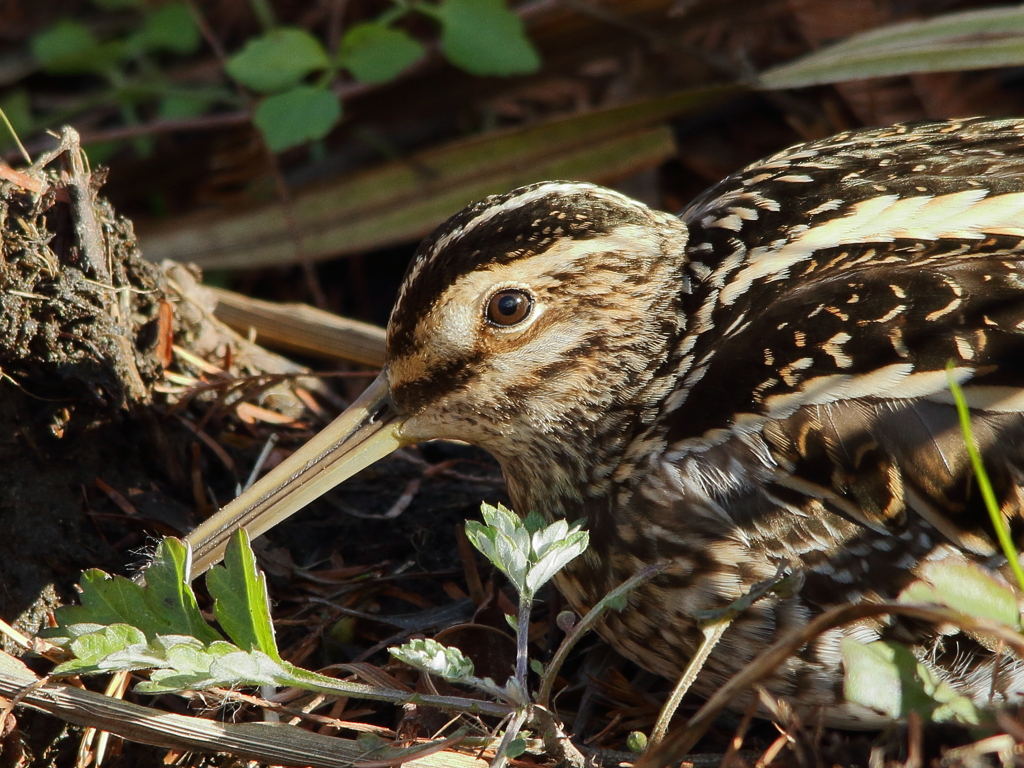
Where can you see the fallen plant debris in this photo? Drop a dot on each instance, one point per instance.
(337, 587)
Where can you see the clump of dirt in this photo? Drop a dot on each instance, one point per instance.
(81, 323)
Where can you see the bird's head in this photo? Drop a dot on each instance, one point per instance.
(532, 324)
(527, 317)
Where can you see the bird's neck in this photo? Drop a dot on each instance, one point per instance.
(574, 470)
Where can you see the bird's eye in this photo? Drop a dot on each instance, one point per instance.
(509, 307)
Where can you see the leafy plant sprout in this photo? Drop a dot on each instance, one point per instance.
(289, 68)
(125, 626)
(122, 625)
(529, 554)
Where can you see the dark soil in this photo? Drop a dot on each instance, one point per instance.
(78, 362)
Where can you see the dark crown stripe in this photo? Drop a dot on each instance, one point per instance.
(499, 230)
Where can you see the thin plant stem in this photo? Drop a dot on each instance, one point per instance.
(501, 758)
(712, 634)
(587, 623)
(523, 638)
(984, 485)
(14, 135)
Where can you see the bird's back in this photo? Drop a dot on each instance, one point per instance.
(811, 426)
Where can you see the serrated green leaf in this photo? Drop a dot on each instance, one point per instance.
(253, 668)
(968, 588)
(189, 658)
(93, 648)
(241, 603)
(557, 556)
(433, 657)
(170, 595)
(277, 60)
(375, 53)
(500, 517)
(169, 28)
(512, 559)
(545, 538)
(191, 666)
(302, 114)
(887, 677)
(484, 37)
(498, 547)
(110, 600)
(165, 606)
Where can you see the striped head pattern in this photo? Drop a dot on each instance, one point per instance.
(536, 313)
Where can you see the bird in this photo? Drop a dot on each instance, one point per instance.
(757, 385)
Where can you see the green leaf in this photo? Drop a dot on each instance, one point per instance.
(166, 606)
(188, 667)
(965, 587)
(110, 600)
(118, 5)
(241, 603)
(180, 107)
(534, 522)
(887, 677)
(557, 556)
(375, 53)
(255, 668)
(169, 28)
(484, 37)
(505, 553)
(92, 649)
(977, 39)
(170, 596)
(500, 517)
(543, 538)
(302, 114)
(430, 656)
(516, 747)
(278, 60)
(66, 48)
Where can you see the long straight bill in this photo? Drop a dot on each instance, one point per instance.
(367, 431)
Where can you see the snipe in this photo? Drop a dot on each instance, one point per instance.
(759, 383)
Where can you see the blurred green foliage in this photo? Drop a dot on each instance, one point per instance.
(288, 68)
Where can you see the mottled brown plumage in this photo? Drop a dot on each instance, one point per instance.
(758, 385)
(755, 386)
